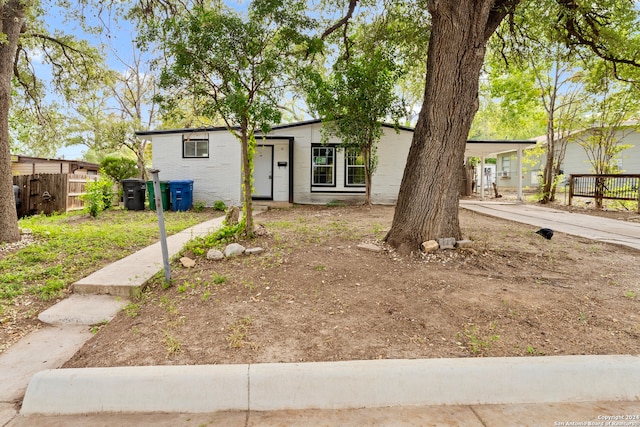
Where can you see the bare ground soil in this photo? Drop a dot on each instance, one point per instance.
(313, 295)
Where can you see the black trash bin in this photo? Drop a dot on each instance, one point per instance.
(134, 194)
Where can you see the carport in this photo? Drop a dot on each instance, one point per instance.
(488, 148)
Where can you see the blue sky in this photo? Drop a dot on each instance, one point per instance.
(116, 38)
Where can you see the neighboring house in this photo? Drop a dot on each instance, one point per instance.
(575, 161)
(26, 165)
(291, 164)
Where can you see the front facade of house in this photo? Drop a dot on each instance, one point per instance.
(290, 165)
(575, 162)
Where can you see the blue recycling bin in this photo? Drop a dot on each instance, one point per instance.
(181, 194)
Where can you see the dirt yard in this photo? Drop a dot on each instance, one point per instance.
(313, 295)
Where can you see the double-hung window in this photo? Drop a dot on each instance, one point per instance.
(506, 165)
(354, 168)
(195, 147)
(323, 166)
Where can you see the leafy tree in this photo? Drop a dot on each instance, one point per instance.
(354, 101)
(136, 91)
(119, 168)
(38, 134)
(609, 108)
(509, 104)
(233, 67)
(72, 63)
(544, 79)
(93, 125)
(427, 206)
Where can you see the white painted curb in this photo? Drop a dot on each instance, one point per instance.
(332, 385)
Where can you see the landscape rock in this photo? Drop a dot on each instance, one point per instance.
(447, 242)
(430, 246)
(215, 254)
(261, 231)
(254, 251)
(234, 249)
(187, 262)
(370, 247)
(464, 243)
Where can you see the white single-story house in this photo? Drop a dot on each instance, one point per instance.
(291, 164)
(575, 161)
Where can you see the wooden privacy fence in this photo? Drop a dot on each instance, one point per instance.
(600, 187)
(48, 193)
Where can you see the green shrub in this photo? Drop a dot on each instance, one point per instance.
(118, 168)
(98, 196)
(219, 205)
(198, 206)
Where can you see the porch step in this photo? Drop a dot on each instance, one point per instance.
(85, 310)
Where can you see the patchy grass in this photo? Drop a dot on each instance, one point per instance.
(65, 249)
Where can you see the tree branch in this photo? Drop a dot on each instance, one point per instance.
(344, 21)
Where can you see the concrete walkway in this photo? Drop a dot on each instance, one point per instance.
(67, 324)
(592, 227)
(535, 391)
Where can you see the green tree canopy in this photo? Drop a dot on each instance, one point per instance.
(354, 101)
(234, 67)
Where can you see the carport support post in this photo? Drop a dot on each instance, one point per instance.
(482, 177)
(163, 235)
(519, 173)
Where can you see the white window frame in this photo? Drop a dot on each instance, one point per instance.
(328, 153)
(198, 146)
(349, 156)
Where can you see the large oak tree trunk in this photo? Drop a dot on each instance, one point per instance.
(427, 206)
(11, 25)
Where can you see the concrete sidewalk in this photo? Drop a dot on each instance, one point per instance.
(66, 325)
(530, 415)
(592, 227)
(533, 391)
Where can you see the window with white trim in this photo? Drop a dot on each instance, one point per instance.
(322, 166)
(506, 164)
(195, 147)
(354, 168)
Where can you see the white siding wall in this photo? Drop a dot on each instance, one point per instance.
(218, 177)
(577, 162)
(393, 150)
(215, 178)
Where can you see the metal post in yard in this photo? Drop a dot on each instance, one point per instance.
(163, 234)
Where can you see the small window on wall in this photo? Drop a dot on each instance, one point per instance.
(355, 168)
(322, 166)
(195, 147)
(506, 164)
